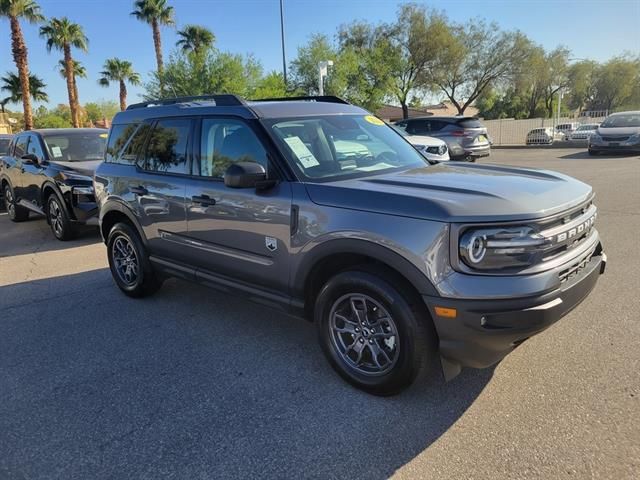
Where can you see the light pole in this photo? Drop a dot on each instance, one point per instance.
(560, 95)
(284, 60)
(323, 70)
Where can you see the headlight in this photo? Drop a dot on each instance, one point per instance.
(500, 248)
(594, 137)
(634, 138)
(88, 190)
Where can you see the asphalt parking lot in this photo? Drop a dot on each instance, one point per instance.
(194, 384)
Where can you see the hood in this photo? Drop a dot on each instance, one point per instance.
(618, 130)
(425, 140)
(87, 168)
(457, 193)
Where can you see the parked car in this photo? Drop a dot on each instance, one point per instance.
(5, 141)
(432, 148)
(543, 136)
(583, 132)
(391, 257)
(49, 172)
(466, 138)
(566, 129)
(619, 132)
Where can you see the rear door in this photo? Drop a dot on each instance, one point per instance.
(15, 171)
(242, 233)
(157, 190)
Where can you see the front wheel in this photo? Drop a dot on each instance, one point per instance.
(129, 263)
(59, 221)
(373, 336)
(593, 153)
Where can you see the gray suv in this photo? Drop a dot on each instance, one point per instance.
(466, 137)
(319, 209)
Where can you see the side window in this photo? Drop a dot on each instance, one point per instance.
(225, 141)
(167, 146)
(35, 148)
(125, 143)
(21, 146)
(435, 126)
(421, 127)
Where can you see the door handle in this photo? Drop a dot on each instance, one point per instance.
(204, 200)
(139, 190)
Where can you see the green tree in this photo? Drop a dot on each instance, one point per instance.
(59, 117)
(195, 39)
(581, 82)
(121, 71)
(618, 83)
(214, 72)
(271, 86)
(475, 56)
(304, 68)
(15, 10)
(63, 34)
(155, 13)
(12, 85)
(79, 71)
(417, 38)
(97, 111)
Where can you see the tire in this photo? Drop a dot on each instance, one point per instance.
(129, 262)
(350, 341)
(593, 153)
(16, 212)
(58, 218)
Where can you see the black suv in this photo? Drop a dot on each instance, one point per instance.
(50, 172)
(320, 209)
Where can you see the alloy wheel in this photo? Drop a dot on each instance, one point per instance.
(125, 260)
(8, 200)
(55, 218)
(364, 334)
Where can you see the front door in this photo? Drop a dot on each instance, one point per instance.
(33, 173)
(242, 233)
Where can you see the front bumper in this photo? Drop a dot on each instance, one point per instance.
(83, 205)
(614, 147)
(485, 331)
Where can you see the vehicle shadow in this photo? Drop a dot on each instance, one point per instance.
(193, 383)
(585, 154)
(35, 235)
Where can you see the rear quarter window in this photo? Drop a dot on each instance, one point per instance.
(125, 142)
(469, 123)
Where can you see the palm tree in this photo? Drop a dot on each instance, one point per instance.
(78, 72)
(155, 13)
(13, 86)
(194, 38)
(30, 11)
(63, 34)
(121, 71)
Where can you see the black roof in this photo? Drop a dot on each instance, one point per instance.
(207, 105)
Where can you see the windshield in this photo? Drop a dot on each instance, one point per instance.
(622, 120)
(76, 146)
(4, 146)
(336, 146)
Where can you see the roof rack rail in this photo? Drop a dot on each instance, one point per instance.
(310, 98)
(221, 100)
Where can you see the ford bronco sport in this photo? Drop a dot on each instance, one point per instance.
(316, 207)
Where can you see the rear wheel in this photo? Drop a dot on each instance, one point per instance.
(16, 212)
(129, 262)
(59, 221)
(376, 338)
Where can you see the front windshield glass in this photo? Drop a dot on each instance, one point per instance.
(76, 146)
(621, 121)
(336, 146)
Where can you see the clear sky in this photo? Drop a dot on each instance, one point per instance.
(594, 29)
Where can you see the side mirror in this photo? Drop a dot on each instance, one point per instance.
(30, 159)
(245, 175)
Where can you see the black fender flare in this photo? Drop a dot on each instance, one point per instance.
(360, 247)
(112, 205)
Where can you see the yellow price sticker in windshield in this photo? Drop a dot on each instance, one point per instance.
(104, 135)
(373, 120)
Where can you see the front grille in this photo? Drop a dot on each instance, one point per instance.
(569, 231)
(615, 138)
(575, 268)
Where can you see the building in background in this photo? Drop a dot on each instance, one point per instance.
(393, 113)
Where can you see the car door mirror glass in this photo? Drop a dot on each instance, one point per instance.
(245, 175)
(30, 158)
